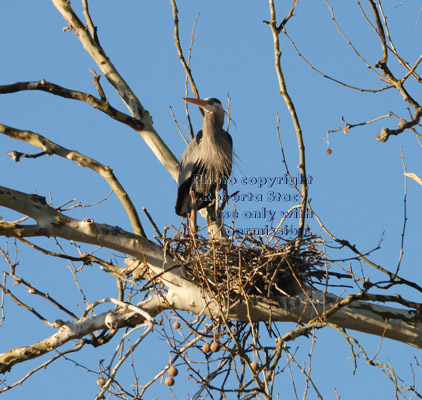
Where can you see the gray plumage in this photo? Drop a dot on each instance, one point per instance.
(206, 163)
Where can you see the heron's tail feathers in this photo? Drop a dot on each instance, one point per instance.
(183, 200)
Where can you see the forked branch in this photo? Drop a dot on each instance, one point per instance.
(148, 133)
(106, 172)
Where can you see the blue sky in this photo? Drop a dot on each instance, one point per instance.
(358, 190)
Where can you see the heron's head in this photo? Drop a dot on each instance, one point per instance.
(213, 105)
(210, 104)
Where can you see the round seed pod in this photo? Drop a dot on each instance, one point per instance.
(101, 381)
(254, 366)
(215, 346)
(206, 348)
(176, 325)
(173, 371)
(169, 381)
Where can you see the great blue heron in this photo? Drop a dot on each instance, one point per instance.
(206, 164)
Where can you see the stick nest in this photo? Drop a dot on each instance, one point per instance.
(251, 265)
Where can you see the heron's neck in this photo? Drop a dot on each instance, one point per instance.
(213, 122)
(215, 149)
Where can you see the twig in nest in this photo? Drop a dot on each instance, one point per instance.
(248, 265)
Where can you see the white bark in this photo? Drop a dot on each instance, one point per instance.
(51, 222)
(149, 134)
(182, 294)
(394, 323)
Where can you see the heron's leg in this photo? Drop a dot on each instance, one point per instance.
(192, 221)
(217, 206)
(217, 199)
(192, 213)
(225, 196)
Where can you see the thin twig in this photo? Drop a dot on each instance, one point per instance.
(312, 67)
(152, 222)
(182, 59)
(43, 366)
(122, 360)
(289, 103)
(404, 216)
(92, 28)
(82, 160)
(178, 127)
(367, 64)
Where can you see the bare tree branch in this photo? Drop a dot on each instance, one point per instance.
(57, 90)
(290, 106)
(91, 26)
(218, 289)
(182, 59)
(106, 172)
(312, 307)
(51, 222)
(403, 125)
(148, 133)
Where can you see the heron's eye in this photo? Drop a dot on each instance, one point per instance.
(213, 101)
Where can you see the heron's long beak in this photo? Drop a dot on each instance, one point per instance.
(198, 102)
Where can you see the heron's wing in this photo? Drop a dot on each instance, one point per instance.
(189, 165)
(229, 138)
(229, 141)
(189, 160)
(183, 198)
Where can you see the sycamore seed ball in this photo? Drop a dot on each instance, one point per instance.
(206, 348)
(101, 381)
(215, 346)
(169, 381)
(173, 371)
(176, 325)
(254, 366)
